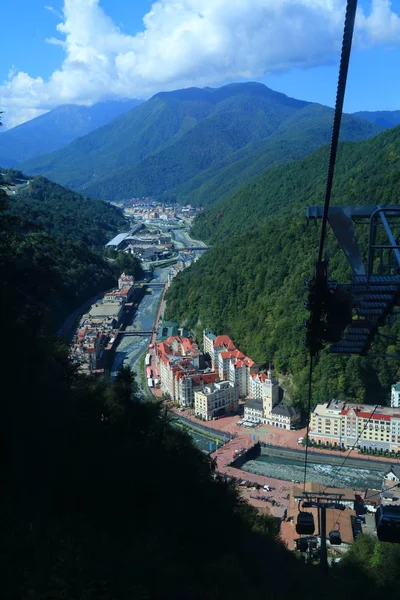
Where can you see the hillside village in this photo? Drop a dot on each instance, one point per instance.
(214, 381)
(98, 329)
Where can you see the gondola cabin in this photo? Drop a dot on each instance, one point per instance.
(335, 538)
(387, 520)
(302, 545)
(305, 523)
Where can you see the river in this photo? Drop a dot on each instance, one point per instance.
(130, 348)
(293, 470)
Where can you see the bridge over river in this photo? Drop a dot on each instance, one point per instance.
(137, 332)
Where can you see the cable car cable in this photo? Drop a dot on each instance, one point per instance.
(309, 420)
(351, 9)
(350, 450)
(341, 89)
(391, 487)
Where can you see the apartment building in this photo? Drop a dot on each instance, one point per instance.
(395, 396)
(230, 362)
(253, 411)
(268, 410)
(118, 295)
(187, 383)
(215, 400)
(345, 424)
(282, 416)
(178, 358)
(125, 282)
(208, 342)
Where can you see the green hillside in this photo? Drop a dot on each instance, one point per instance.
(194, 145)
(65, 234)
(56, 129)
(66, 214)
(250, 284)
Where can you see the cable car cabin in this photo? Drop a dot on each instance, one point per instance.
(302, 545)
(305, 523)
(335, 538)
(387, 519)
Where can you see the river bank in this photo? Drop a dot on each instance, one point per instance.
(131, 348)
(319, 458)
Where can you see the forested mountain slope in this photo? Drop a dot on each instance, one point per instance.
(65, 214)
(384, 118)
(178, 145)
(250, 284)
(67, 233)
(56, 129)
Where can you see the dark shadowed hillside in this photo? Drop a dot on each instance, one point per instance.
(65, 234)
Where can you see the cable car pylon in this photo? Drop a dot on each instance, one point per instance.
(305, 526)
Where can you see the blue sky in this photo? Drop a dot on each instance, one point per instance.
(85, 51)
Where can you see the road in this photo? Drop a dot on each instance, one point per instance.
(66, 330)
(183, 240)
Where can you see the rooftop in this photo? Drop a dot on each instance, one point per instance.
(254, 403)
(362, 410)
(118, 239)
(105, 309)
(210, 334)
(318, 488)
(284, 410)
(395, 469)
(224, 340)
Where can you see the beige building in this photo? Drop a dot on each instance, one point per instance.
(344, 424)
(215, 400)
(231, 364)
(282, 416)
(253, 411)
(266, 387)
(208, 342)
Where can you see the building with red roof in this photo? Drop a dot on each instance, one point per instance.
(229, 361)
(177, 359)
(126, 282)
(347, 424)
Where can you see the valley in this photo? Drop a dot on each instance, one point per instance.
(194, 201)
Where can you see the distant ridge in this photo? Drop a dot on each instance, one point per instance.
(384, 118)
(56, 129)
(194, 145)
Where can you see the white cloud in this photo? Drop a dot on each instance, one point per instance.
(189, 42)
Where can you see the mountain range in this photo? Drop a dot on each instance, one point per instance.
(384, 118)
(194, 145)
(56, 129)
